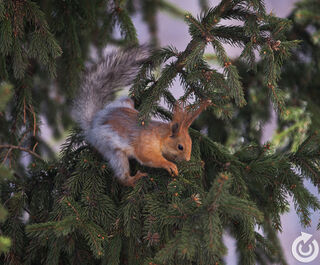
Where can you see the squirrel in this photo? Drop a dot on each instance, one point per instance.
(112, 127)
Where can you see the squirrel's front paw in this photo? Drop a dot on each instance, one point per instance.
(172, 169)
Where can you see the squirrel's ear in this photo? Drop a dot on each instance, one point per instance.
(175, 128)
(178, 117)
(194, 114)
(178, 113)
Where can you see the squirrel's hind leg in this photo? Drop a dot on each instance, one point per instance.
(120, 164)
(131, 180)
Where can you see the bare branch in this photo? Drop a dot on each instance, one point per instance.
(21, 149)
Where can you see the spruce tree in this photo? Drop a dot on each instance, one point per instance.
(70, 209)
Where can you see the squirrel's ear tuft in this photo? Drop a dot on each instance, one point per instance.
(178, 118)
(174, 129)
(194, 114)
(178, 113)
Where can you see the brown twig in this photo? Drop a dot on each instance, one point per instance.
(10, 146)
(34, 120)
(10, 149)
(23, 136)
(6, 156)
(35, 146)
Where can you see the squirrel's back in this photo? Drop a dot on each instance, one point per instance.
(101, 82)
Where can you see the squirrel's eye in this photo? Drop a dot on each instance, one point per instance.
(180, 147)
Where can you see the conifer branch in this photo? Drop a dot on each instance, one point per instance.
(78, 218)
(21, 149)
(222, 181)
(309, 168)
(257, 217)
(306, 142)
(171, 9)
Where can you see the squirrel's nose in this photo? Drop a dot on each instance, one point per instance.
(188, 158)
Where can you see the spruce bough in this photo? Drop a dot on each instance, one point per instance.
(78, 214)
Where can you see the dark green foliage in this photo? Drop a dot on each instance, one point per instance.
(5, 173)
(69, 209)
(89, 212)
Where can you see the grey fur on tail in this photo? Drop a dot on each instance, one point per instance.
(101, 81)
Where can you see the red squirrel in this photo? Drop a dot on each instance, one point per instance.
(111, 126)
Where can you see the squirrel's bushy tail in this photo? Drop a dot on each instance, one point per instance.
(101, 81)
